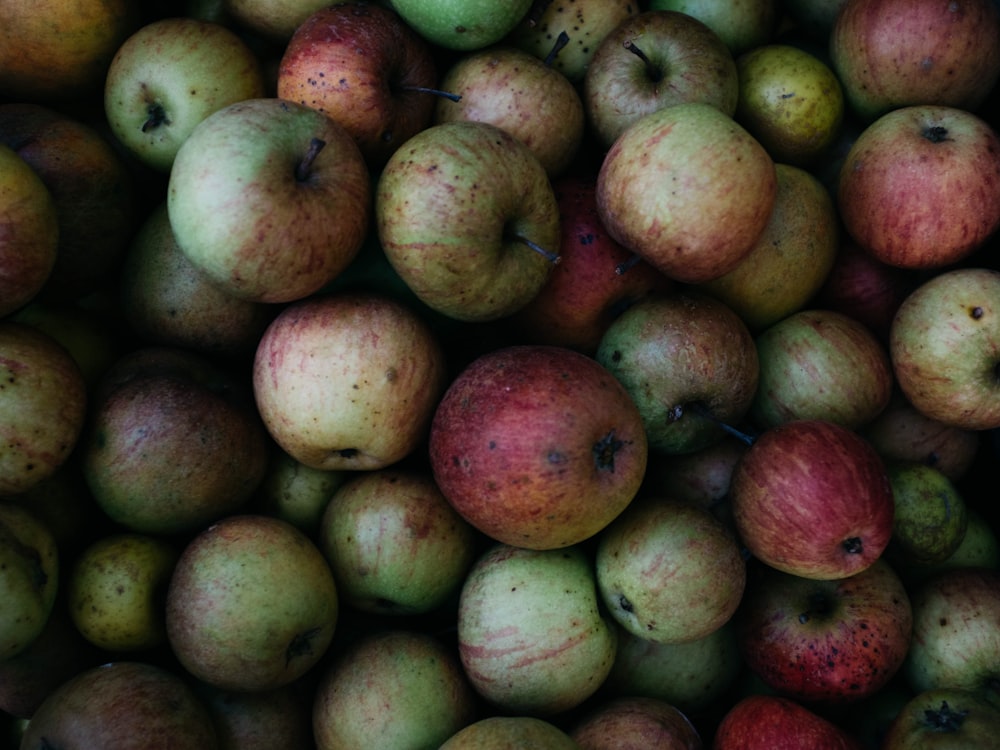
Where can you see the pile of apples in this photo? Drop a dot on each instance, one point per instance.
(499, 374)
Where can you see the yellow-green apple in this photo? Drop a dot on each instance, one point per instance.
(669, 571)
(585, 22)
(943, 718)
(812, 498)
(956, 633)
(635, 722)
(979, 548)
(896, 53)
(276, 719)
(791, 101)
(942, 344)
(498, 732)
(348, 381)
(170, 75)
(269, 198)
(29, 577)
(166, 300)
(29, 232)
(792, 258)
(296, 493)
(173, 441)
(91, 186)
(392, 689)
(537, 445)
(273, 20)
(821, 364)
(692, 676)
(652, 60)
(115, 589)
(904, 168)
(595, 281)
(468, 218)
(741, 24)
(361, 65)
(778, 723)
(520, 93)
(833, 641)
(44, 402)
(688, 189)
(251, 605)
(532, 637)
(55, 52)
(86, 710)
(395, 545)
(463, 24)
(688, 362)
(931, 515)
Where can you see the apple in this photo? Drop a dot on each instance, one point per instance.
(669, 571)
(170, 75)
(468, 218)
(791, 259)
(532, 638)
(904, 168)
(348, 381)
(501, 732)
(833, 641)
(275, 21)
(931, 516)
(585, 22)
(396, 688)
(462, 24)
(791, 101)
(44, 401)
(896, 53)
(689, 363)
(742, 25)
(91, 187)
(277, 719)
(979, 548)
(537, 446)
(656, 59)
(595, 281)
(943, 718)
(361, 65)
(296, 493)
(395, 545)
(688, 189)
(251, 605)
(942, 343)
(29, 230)
(115, 587)
(812, 498)
(520, 93)
(956, 633)
(778, 723)
(173, 442)
(269, 198)
(635, 723)
(821, 364)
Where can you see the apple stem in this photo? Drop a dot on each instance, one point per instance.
(561, 41)
(551, 257)
(702, 411)
(625, 265)
(302, 170)
(156, 116)
(436, 92)
(535, 13)
(944, 719)
(654, 73)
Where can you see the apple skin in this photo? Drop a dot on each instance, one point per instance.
(778, 723)
(831, 642)
(812, 498)
(942, 343)
(702, 230)
(741, 24)
(931, 516)
(453, 207)
(360, 64)
(635, 723)
(656, 59)
(274, 21)
(537, 446)
(245, 217)
(900, 173)
(348, 381)
(501, 732)
(462, 25)
(895, 53)
(170, 75)
(980, 548)
(296, 493)
(943, 719)
(532, 638)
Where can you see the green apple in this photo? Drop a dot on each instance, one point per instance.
(979, 548)
(931, 516)
(269, 198)
(296, 493)
(468, 218)
(462, 24)
(505, 732)
(742, 24)
(943, 719)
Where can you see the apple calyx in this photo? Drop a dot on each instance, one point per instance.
(654, 72)
(853, 545)
(945, 718)
(936, 133)
(819, 606)
(551, 257)
(604, 452)
(304, 167)
(156, 116)
(561, 41)
(301, 645)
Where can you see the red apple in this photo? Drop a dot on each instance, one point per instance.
(776, 723)
(537, 446)
(812, 498)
